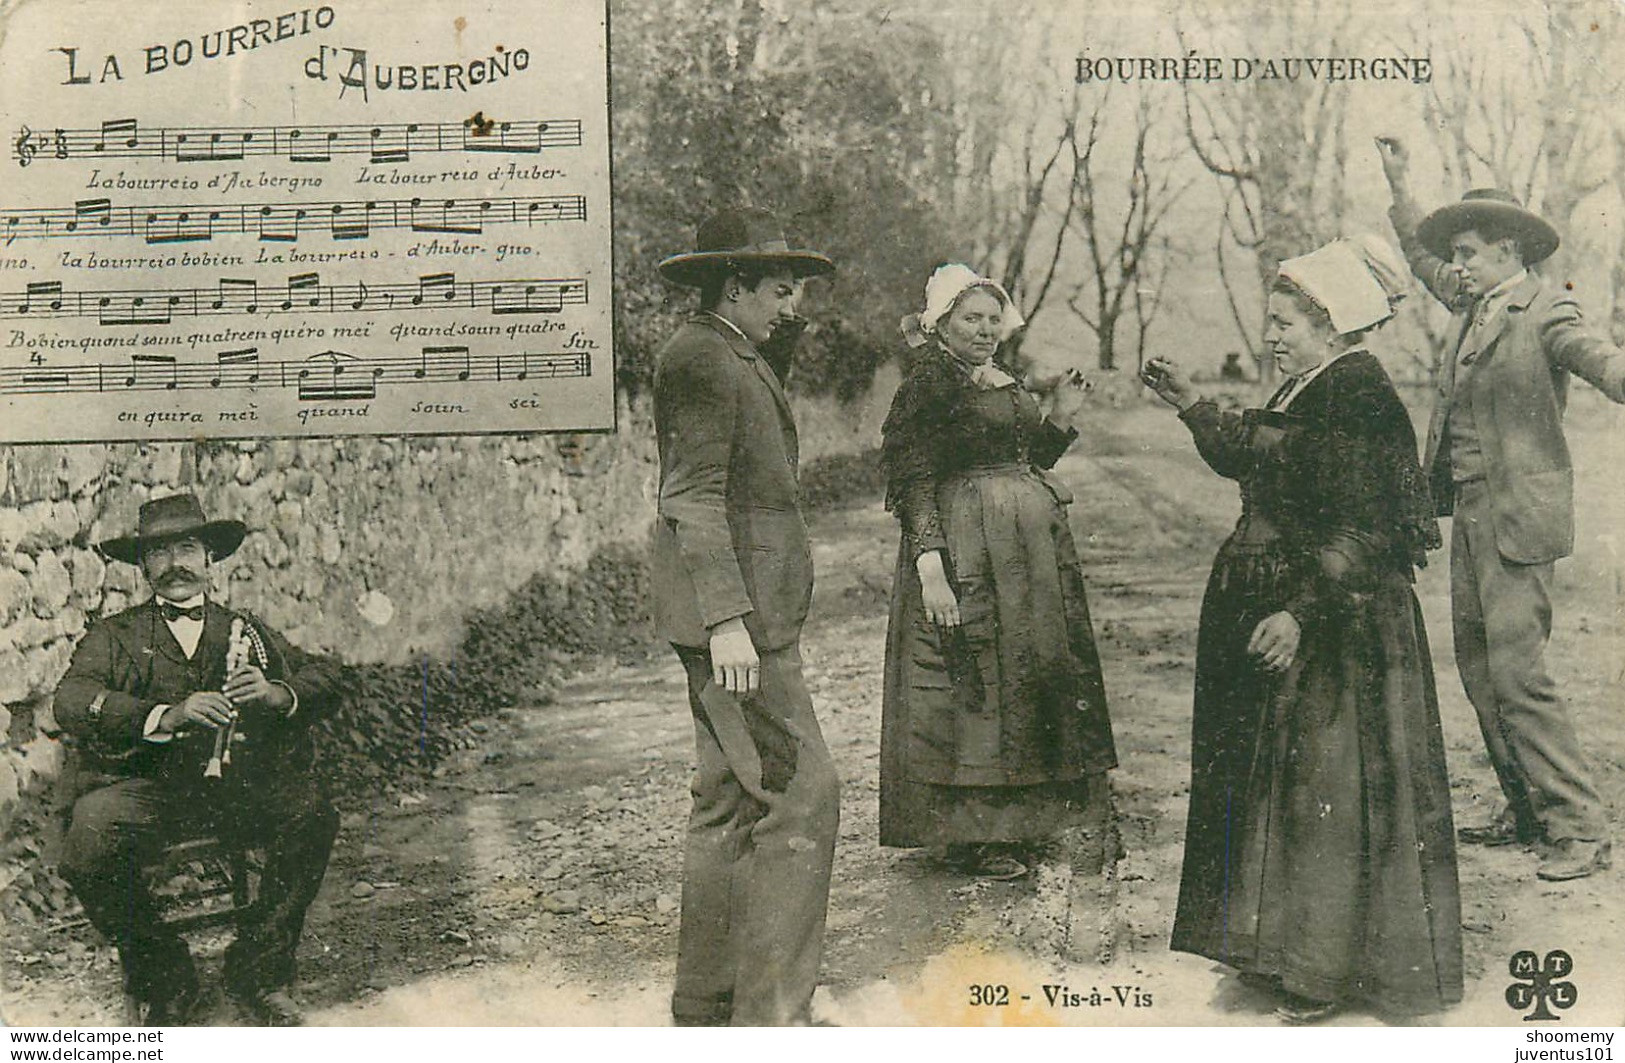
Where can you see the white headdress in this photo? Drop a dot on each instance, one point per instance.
(946, 285)
(1358, 281)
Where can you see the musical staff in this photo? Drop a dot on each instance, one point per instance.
(124, 138)
(325, 377)
(285, 222)
(302, 293)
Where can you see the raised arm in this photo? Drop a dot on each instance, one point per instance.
(1220, 437)
(1437, 275)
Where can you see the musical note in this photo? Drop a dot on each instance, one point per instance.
(444, 223)
(42, 288)
(151, 362)
(280, 223)
(531, 299)
(117, 128)
(93, 211)
(218, 146)
(322, 152)
(352, 229)
(441, 285)
(60, 145)
(298, 286)
(246, 359)
(335, 385)
(183, 226)
(128, 308)
(241, 295)
(391, 143)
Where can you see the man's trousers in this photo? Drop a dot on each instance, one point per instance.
(761, 841)
(117, 828)
(1503, 620)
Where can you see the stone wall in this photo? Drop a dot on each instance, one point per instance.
(374, 550)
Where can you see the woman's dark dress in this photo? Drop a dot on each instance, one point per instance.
(991, 730)
(1319, 845)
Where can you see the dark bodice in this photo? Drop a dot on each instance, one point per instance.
(1333, 496)
(942, 424)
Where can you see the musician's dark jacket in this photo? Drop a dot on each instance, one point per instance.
(131, 663)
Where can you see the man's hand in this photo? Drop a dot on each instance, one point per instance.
(734, 664)
(938, 598)
(248, 687)
(1396, 161)
(205, 708)
(1275, 641)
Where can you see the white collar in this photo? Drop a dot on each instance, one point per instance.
(737, 330)
(1505, 287)
(190, 603)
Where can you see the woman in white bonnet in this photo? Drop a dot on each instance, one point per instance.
(1319, 855)
(995, 721)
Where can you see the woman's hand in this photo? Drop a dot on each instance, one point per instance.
(1170, 382)
(940, 604)
(1071, 396)
(1275, 641)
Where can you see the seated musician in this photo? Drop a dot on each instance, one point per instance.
(185, 718)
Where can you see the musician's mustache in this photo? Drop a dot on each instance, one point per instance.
(178, 572)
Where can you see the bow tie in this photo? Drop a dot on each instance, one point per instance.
(173, 612)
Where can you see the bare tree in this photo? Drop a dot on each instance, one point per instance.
(1127, 254)
(1276, 147)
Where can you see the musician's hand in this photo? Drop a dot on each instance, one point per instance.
(205, 708)
(248, 687)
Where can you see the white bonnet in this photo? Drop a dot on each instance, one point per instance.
(946, 285)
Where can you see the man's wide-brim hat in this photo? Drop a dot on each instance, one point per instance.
(1491, 207)
(175, 517)
(736, 240)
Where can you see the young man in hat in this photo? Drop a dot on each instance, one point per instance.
(732, 582)
(1496, 456)
(185, 717)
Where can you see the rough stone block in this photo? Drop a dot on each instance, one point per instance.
(290, 513)
(51, 585)
(88, 570)
(13, 676)
(15, 595)
(82, 466)
(12, 528)
(331, 547)
(34, 473)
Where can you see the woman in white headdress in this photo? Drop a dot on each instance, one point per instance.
(1319, 855)
(995, 722)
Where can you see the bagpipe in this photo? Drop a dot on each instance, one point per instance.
(244, 648)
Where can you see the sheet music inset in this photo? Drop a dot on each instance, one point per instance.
(344, 220)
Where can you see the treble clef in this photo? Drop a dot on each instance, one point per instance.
(26, 148)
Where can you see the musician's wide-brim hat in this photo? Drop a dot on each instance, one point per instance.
(741, 239)
(1493, 207)
(164, 520)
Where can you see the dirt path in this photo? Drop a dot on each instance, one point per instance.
(535, 880)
